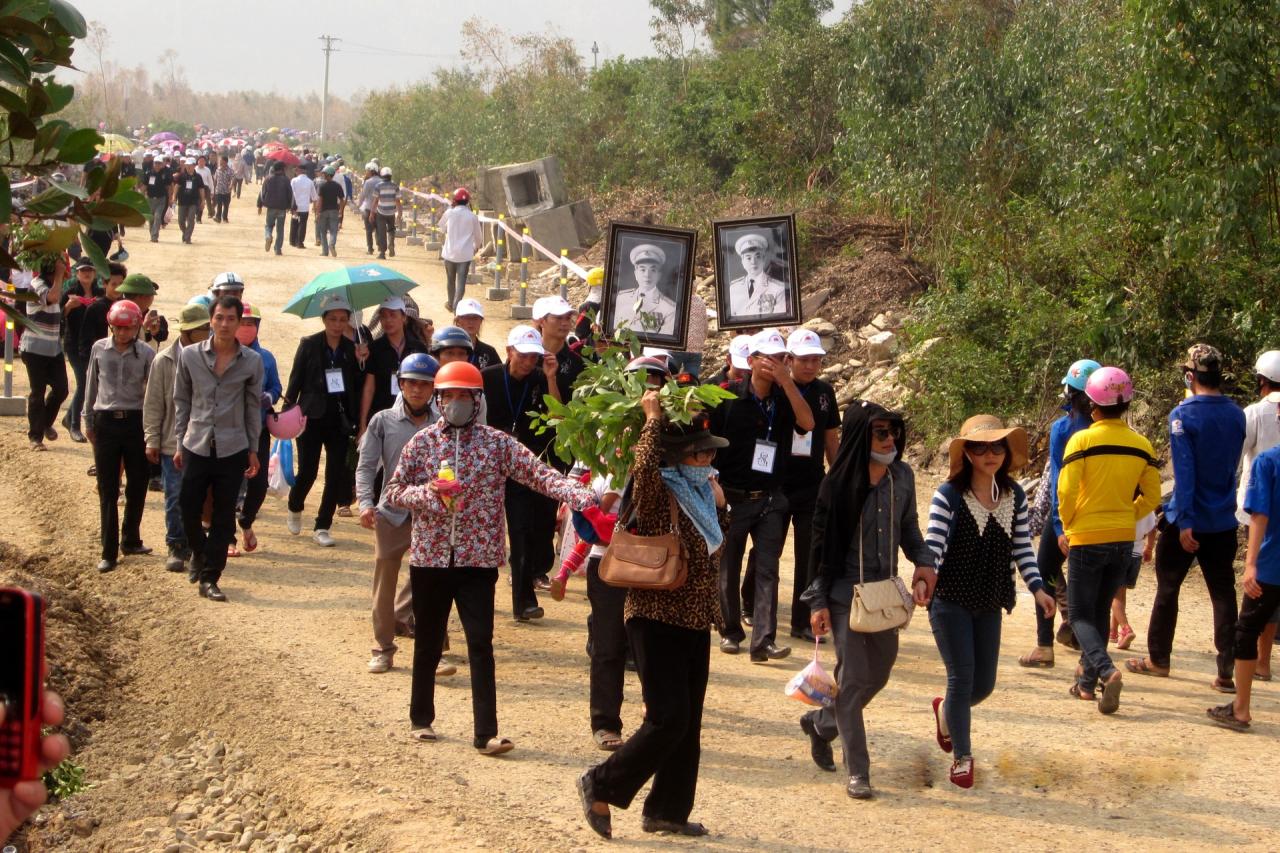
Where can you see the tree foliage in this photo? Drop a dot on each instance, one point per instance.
(1088, 178)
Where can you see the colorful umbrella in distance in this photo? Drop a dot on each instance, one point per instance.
(166, 135)
(283, 155)
(362, 287)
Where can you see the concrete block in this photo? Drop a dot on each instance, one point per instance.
(521, 312)
(13, 407)
(488, 193)
(569, 226)
(415, 240)
(496, 294)
(532, 187)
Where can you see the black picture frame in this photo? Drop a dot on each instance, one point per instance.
(779, 267)
(672, 282)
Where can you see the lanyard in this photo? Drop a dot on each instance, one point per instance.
(335, 355)
(524, 392)
(767, 411)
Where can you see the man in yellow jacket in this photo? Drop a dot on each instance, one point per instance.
(1109, 480)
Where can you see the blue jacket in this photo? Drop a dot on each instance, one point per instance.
(1206, 434)
(1059, 434)
(270, 377)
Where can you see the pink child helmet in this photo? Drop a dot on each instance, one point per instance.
(1108, 386)
(287, 424)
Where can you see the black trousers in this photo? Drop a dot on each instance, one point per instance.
(531, 526)
(801, 502)
(1050, 559)
(221, 204)
(386, 229)
(298, 229)
(325, 434)
(435, 590)
(47, 376)
(764, 520)
(673, 664)
(1216, 554)
(370, 227)
(116, 441)
(255, 491)
(608, 643)
(1255, 613)
(222, 474)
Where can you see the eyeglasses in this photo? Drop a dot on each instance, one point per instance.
(883, 433)
(982, 448)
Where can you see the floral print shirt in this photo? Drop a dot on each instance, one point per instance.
(482, 458)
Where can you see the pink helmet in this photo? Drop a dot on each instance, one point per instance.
(1108, 386)
(287, 424)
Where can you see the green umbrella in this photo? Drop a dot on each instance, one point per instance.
(361, 287)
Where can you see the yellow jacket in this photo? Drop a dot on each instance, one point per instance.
(1108, 481)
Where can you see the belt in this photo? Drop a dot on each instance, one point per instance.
(119, 414)
(743, 495)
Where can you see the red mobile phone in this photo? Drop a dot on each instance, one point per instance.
(21, 667)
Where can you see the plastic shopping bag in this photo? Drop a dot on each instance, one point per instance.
(280, 476)
(168, 215)
(812, 685)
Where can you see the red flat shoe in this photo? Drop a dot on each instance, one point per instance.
(944, 740)
(962, 772)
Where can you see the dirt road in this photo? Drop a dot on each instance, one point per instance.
(255, 725)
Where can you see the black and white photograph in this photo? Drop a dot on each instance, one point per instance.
(648, 283)
(757, 279)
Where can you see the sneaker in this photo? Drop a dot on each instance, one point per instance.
(381, 662)
(293, 523)
(344, 512)
(323, 539)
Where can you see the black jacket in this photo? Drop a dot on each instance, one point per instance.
(276, 193)
(307, 385)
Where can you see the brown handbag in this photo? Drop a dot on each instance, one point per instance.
(646, 562)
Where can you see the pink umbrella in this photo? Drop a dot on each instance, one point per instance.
(284, 155)
(165, 135)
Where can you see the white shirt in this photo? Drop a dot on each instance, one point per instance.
(304, 192)
(206, 176)
(602, 486)
(462, 234)
(1261, 433)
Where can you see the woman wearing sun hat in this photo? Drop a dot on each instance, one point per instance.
(977, 531)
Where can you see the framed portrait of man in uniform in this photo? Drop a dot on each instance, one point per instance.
(648, 283)
(757, 278)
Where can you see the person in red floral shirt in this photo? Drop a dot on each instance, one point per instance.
(457, 541)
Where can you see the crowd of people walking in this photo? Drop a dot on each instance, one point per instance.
(432, 434)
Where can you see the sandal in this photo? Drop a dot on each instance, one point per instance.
(557, 590)
(1225, 716)
(1039, 657)
(423, 734)
(607, 740)
(1110, 701)
(1125, 640)
(1262, 676)
(250, 540)
(602, 824)
(1224, 685)
(1142, 666)
(1075, 691)
(497, 746)
(232, 550)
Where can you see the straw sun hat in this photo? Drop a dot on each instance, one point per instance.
(982, 428)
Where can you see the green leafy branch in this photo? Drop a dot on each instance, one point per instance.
(601, 424)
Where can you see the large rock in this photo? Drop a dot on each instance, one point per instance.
(569, 226)
(882, 346)
(810, 304)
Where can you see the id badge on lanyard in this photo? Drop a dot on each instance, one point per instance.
(395, 385)
(333, 380)
(763, 458)
(802, 445)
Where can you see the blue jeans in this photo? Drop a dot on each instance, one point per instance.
(275, 218)
(1096, 572)
(1049, 558)
(172, 479)
(969, 643)
(327, 230)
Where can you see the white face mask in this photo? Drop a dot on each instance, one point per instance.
(885, 459)
(460, 413)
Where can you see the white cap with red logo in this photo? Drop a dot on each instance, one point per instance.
(525, 339)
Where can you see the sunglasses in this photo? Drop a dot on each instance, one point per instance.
(883, 433)
(982, 448)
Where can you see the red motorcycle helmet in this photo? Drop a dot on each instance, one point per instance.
(124, 313)
(461, 196)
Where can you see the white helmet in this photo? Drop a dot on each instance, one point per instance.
(386, 171)
(1268, 366)
(371, 166)
(228, 281)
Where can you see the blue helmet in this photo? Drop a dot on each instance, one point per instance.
(1078, 373)
(419, 365)
(451, 336)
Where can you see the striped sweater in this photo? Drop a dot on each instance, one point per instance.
(1010, 513)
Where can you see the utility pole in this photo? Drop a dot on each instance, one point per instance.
(324, 97)
(595, 56)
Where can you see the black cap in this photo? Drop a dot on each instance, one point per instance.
(85, 263)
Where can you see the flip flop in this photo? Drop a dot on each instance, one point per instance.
(1142, 666)
(497, 746)
(1031, 659)
(423, 734)
(1126, 635)
(1262, 676)
(232, 550)
(250, 540)
(1225, 716)
(1075, 691)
